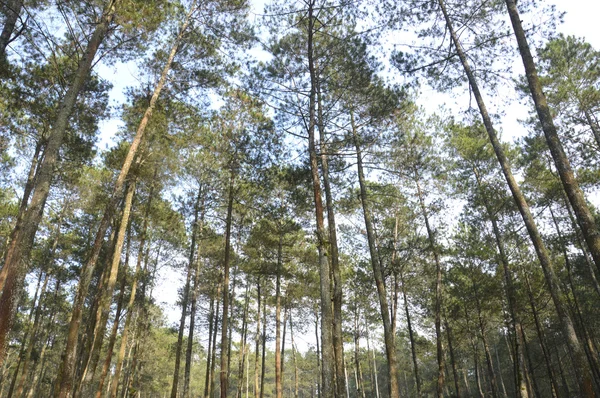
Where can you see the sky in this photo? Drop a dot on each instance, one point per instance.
(580, 20)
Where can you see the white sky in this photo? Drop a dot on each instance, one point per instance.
(581, 20)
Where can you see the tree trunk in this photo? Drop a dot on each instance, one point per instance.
(213, 360)
(12, 273)
(65, 376)
(243, 345)
(452, 357)
(327, 352)
(486, 347)
(582, 368)
(130, 305)
(103, 309)
(296, 378)
(196, 231)
(257, 341)
(112, 339)
(438, 291)
(519, 362)
(278, 385)
(337, 339)
(264, 350)
(225, 322)
(377, 271)
(541, 339)
(13, 9)
(211, 325)
(413, 347)
(360, 390)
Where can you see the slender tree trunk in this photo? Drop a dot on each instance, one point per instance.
(581, 365)
(337, 339)
(536, 388)
(257, 341)
(225, 322)
(296, 378)
(413, 347)
(264, 350)
(12, 273)
(278, 384)
(65, 376)
(197, 230)
(243, 345)
(112, 339)
(519, 363)
(130, 306)
(500, 373)
(452, 357)
(13, 9)
(541, 339)
(438, 291)
(211, 324)
(486, 347)
(377, 271)
(107, 292)
(360, 390)
(327, 351)
(563, 166)
(213, 361)
(32, 336)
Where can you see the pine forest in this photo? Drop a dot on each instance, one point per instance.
(305, 198)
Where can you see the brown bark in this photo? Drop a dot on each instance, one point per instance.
(23, 234)
(390, 348)
(68, 367)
